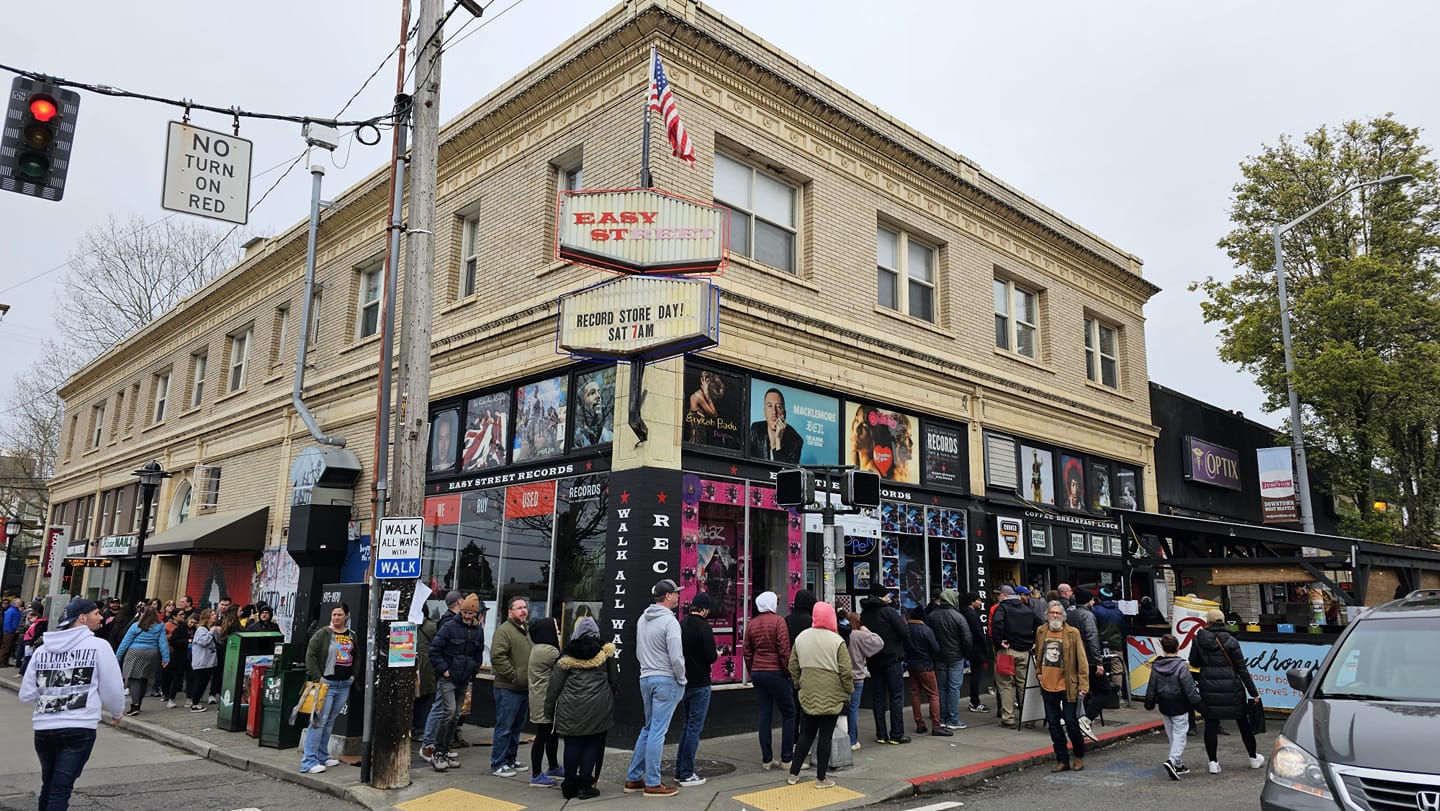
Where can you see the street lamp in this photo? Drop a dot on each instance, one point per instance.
(1297, 440)
(150, 475)
(13, 528)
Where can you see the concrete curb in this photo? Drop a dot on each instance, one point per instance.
(977, 773)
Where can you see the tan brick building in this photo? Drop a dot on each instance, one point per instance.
(990, 349)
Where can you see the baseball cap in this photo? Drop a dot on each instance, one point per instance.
(77, 608)
(1007, 590)
(663, 588)
(1021, 590)
(453, 597)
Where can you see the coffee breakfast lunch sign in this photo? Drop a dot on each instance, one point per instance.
(640, 316)
(641, 231)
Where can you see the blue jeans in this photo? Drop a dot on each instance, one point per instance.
(693, 708)
(63, 753)
(887, 683)
(317, 737)
(660, 695)
(1057, 707)
(852, 712)
(771, 688)
(948, 678)
(512, 710)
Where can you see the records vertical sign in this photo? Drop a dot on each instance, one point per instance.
(944, 459)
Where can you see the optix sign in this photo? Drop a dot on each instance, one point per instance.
(1211, 464)
(641, 231)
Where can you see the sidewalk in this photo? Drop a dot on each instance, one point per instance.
(731, 764)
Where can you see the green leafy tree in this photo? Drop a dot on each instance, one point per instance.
(1365, 310)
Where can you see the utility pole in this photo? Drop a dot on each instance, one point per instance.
(395, 687)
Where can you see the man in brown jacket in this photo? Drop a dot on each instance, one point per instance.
(1060, 655)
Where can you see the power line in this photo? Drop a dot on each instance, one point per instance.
(188, 105)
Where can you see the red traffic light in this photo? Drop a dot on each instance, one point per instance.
(43, 109)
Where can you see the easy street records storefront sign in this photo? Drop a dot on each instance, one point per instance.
(640, 317)
(641, 231)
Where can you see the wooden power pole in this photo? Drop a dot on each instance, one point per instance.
(395, 687)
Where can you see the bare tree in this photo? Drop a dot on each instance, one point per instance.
(123, 275)
(31, 428)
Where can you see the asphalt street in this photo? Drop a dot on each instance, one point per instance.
(1125, 776)
(129, 773)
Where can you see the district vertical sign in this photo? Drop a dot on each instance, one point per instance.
(397, 547)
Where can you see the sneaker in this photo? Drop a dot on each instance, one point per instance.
(332, 762)
(588, 792)
(1214, 767)
(543, 780)
(979, 708)
(855, 747)
(1171, 770)
(210, 700)
(1257, 761)
(826, 783)
(901, 739)
(439, 764)
(316, 769)
(632, 786)
(452, 760)
(662, 790)
(1182, 770)
(558, 772)
(133, 711)
(792, 779)
(768, 765)
(958, 725)
(170, 705)
(197, 708)
(503, 771)
(458, 740)
(427, 752)
(882, 740)
(690, 780)
(1086, 728)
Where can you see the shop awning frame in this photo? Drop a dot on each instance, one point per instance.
(233, 531)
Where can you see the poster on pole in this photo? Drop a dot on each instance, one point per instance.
(1277, 486)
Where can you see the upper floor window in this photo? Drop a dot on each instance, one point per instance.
(367, 317)
(209, 484)
(162, 396)
(469, 254)
(1102, 352)
(904, 273)
(97, 424)
(198, 363)
(762, 212)
(571, 178)
(1016, 319)
(239, 354)
(282, 335)
(314, 330)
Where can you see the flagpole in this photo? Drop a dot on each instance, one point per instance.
(646, 181)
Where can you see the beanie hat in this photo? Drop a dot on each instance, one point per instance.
(918, 613)
(77, 608)
(700, 602)
(586, 627)
(878, 590)
(1083, 596)
(470, 603)
(1107, 593)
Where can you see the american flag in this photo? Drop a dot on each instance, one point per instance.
(661, 101)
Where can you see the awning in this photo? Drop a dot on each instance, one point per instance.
(235, 531)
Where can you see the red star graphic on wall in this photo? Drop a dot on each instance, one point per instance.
(625, 497)
(734, 470)
(589, 465)
(660, 496)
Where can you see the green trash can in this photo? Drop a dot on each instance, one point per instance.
(282, 691)
(243, 651)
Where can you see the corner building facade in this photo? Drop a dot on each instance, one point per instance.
(898, 307)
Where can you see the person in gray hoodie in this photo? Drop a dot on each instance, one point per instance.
(71, 675)
(662, 685)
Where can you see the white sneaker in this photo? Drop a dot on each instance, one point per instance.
(332, 762)
(316, 769)
(170, 705)
(1085, 728)
(504, 771)
(855, 747)
(1257, 761)
(691, 780)
(1214, 767)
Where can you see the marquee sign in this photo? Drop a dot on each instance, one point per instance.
(1208, 463)
(640, 317)
(641, 231)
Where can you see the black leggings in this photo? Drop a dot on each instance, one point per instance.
(545, 745)
(137, 691)
(817, 730)
(1212, 735)
(583, 755)
(196, 684)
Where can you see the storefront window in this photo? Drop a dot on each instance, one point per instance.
(579, 549)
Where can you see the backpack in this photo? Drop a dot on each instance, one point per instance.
(1167, 690)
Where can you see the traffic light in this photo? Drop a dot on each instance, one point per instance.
(862, 489)
(39, 131)
(794, 488)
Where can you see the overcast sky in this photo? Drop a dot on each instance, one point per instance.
(1128, 118)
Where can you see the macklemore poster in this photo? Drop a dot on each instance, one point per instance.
(792, 426)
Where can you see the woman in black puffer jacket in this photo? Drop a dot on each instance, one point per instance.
(581, 702)
(1224, 682)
